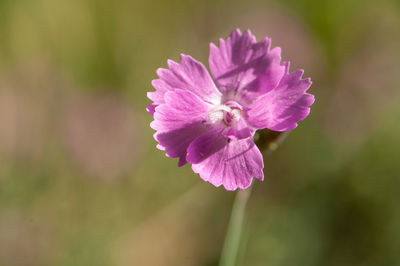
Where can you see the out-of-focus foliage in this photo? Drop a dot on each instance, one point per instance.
(81, 182)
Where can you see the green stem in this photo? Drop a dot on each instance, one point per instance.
(232, 239)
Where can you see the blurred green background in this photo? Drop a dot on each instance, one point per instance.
(81, 182)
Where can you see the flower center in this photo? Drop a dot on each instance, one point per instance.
(228, 113)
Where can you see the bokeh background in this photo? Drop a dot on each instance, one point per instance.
(81, 182)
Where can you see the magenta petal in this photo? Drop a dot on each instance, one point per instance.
(240, 130)
(178, 122)
(176, 142)
(206, 145)
(280, 109)
(189, 75)
(233, 166)
(151, 108)
(244, 69)
(181, 108)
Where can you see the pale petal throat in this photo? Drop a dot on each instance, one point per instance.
(224, 114)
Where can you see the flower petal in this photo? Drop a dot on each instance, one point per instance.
(244, 69)
(178, 122)
(240, 130)
(281, 108)
(189, 75)
(233, 165)
(151, 108)
(176, 142)
(206, 145)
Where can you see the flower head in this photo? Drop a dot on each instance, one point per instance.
(209, 121)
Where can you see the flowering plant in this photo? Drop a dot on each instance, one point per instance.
(210, 121)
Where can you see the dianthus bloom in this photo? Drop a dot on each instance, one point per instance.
(209, 121)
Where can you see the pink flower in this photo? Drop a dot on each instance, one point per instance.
(210, 121)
